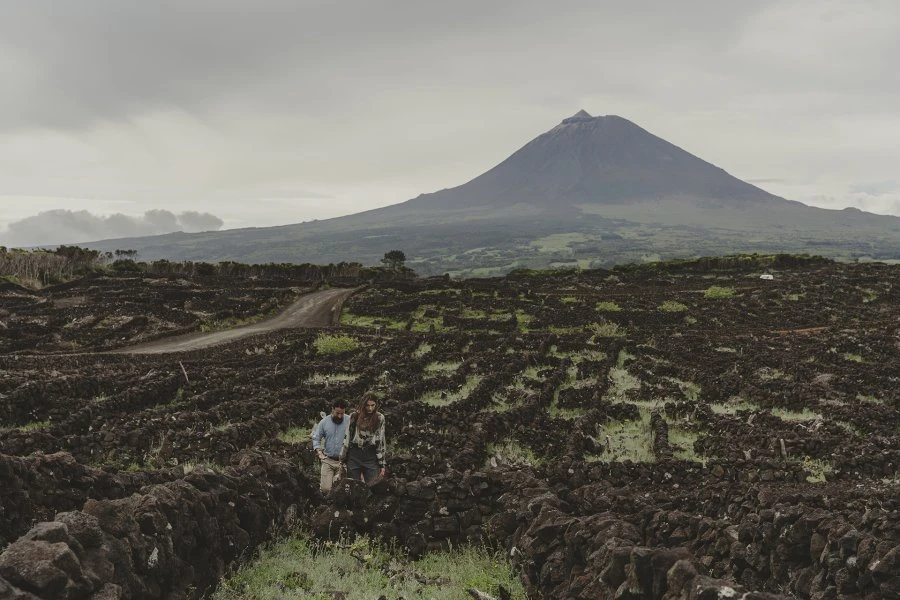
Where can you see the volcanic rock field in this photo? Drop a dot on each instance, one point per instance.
(674, 430)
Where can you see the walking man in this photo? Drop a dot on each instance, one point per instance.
(327, 439)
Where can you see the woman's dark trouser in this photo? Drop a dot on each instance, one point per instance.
(362, 461)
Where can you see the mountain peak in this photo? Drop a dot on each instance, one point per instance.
(581, 115)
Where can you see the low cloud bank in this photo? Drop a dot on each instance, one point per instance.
(61, 226)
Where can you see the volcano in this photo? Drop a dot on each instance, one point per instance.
(591, 191)
(598, 160)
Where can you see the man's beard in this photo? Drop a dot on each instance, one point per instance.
(337, 420)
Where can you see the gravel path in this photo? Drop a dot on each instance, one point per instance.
(318, 309)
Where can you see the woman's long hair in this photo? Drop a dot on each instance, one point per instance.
(364, 420)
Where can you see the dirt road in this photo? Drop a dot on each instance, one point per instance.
(318, 309)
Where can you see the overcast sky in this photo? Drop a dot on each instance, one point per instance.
(273, 112)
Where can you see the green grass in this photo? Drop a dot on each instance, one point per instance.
(683, 440)
(621, 381)
(321, 378)
(190, 467)
(788, 415)
(348, 318)
(817, 468)
(442, 367)
(533, 372)
(869, 398)
(630, 440)
(608, 306)
(690, 389)
(732, 406)
(854, 357)
(560, 330)
(433, 398)
(869, 295)
(558, 242)
(423, 349)
(297, 435)
(578, 356)
(299, 568)
(334, 344)
(34, 426)
(512, 453)
(672, 306)
(607, 329)
(717, 292)
(523, 319)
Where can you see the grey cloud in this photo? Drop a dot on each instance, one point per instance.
(876, 188)
(67, 226)
(76, 64)
(197, 221)
(765, 180)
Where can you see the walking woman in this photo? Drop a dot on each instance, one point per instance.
(364, 442)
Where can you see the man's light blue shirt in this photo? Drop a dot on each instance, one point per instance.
(333, 434)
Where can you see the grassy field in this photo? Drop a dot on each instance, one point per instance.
(361, 570)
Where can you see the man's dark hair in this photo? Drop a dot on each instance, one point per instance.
(339, 404)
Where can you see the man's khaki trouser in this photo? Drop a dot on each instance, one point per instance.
(331, 470)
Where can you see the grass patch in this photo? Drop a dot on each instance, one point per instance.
(559, 330)
(788, 415)
(34, 426)
(297, 435)
(682, 443)
(323, 378)
(442, 367)
(717, 292)
(512, 453)
(534, 372)
(672, 306)
(869, 295)
(630, 440)
(423, 349)
(523, 319)
(334, 344)
(817, 468)
(443, 398)
(190, 467)
(621, 381)
(348, 318)
(690, 389)
(869, 398)
(732, 406)
(854, 357)
(607, 329)
(299, 568)
(608, 306)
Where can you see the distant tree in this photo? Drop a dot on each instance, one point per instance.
(394, 259)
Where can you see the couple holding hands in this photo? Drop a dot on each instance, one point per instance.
(356, 442)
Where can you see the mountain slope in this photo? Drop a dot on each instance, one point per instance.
(605, 160)
(613, 191)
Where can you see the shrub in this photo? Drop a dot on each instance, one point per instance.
(606, 329)
(608, 306)
(335, 344)
(672, 306)
(717, 292)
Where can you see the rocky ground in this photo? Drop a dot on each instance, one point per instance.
(674, 431)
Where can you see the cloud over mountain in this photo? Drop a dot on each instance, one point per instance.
(63, 226)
